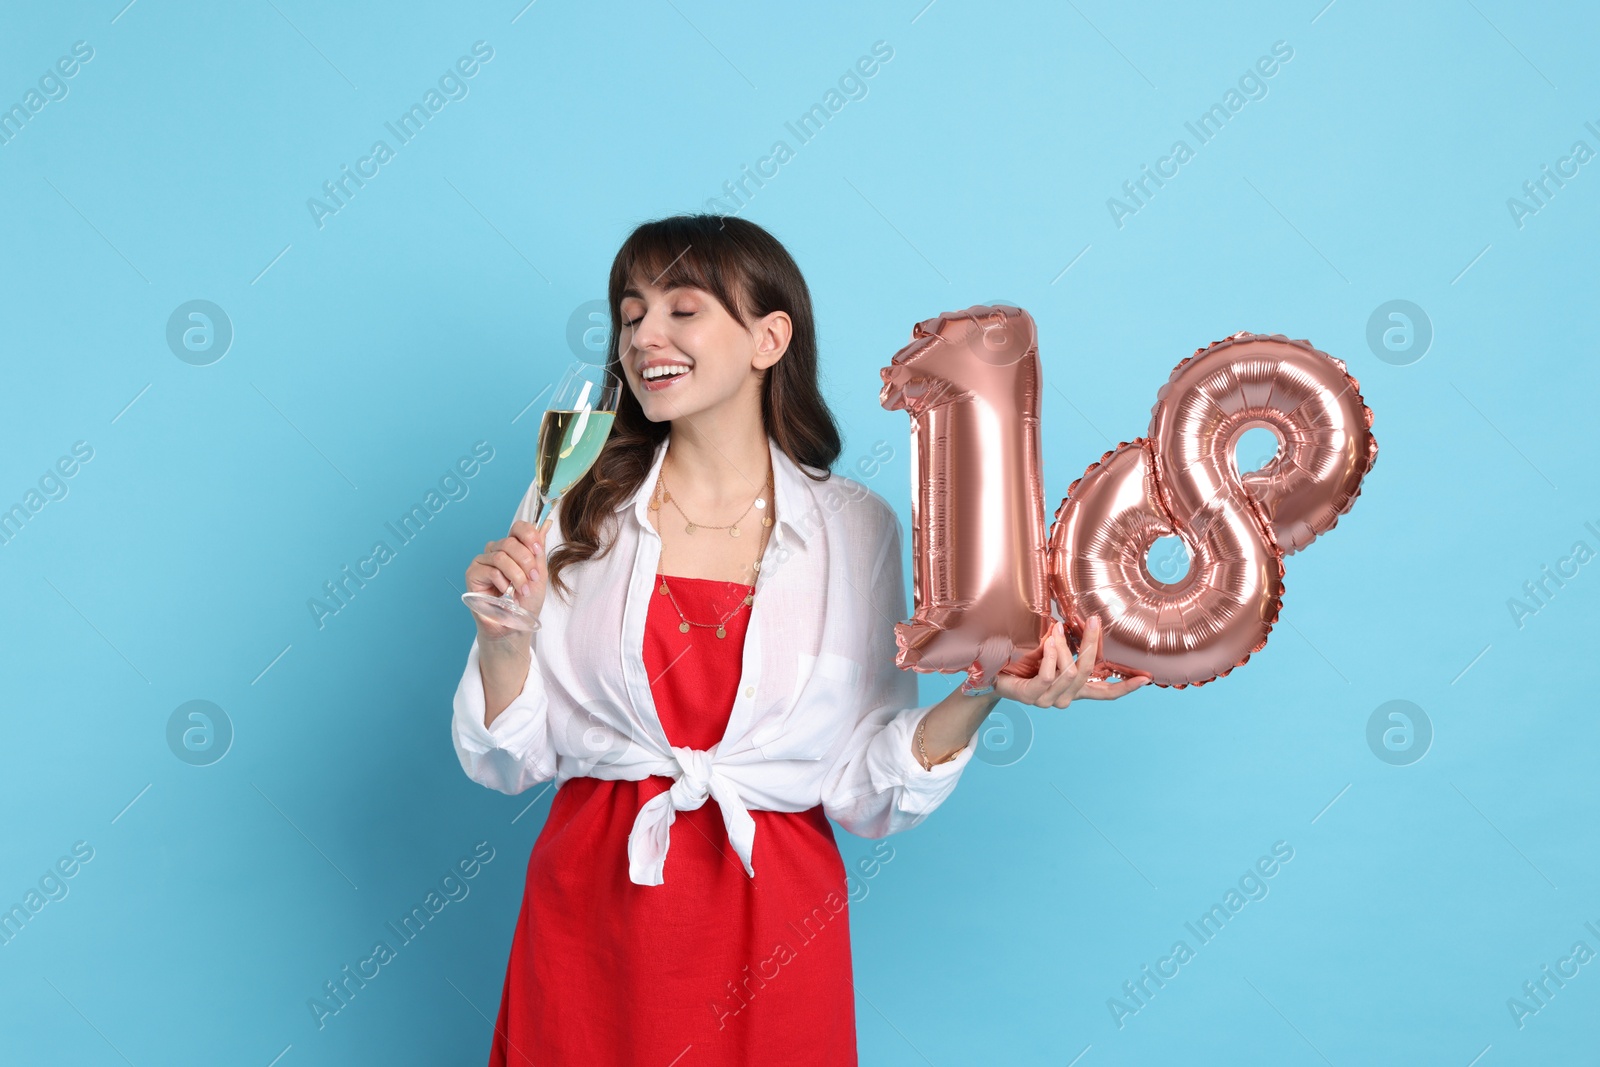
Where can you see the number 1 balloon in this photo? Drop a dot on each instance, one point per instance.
(970, 382)
(1180, 479)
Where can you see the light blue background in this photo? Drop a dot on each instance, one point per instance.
(373, 352)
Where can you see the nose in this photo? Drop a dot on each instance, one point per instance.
(647, 332)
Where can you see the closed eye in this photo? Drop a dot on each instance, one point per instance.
(676, 314)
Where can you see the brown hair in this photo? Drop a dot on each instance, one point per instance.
(751, 275)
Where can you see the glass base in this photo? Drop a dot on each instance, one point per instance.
(500, 611)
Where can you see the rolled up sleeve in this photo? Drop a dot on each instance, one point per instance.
(877, 787)
(513, 753)
(516, 751)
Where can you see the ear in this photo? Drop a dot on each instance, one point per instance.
(771, 332)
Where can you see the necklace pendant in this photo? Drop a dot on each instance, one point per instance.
(766, 520)
(733, 531)
(720, 631)
(663, 589)
(689, 528)
(683, 627)
(760, 503)
(749, 599)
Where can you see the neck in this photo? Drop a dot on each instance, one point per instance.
(724, 466)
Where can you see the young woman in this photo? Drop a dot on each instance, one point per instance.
(722, 630)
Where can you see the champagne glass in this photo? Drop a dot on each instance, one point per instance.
(576, 423)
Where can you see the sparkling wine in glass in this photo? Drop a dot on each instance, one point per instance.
(575, 426)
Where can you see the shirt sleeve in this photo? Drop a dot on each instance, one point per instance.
(878, 787)
(516, 751)
(513, 753)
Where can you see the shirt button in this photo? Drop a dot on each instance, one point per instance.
(750, 692)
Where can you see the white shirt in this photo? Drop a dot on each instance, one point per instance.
(821, 715)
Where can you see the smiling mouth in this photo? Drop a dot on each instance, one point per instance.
(661, 377)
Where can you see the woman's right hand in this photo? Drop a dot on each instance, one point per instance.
(516, 561)
(1058, 680)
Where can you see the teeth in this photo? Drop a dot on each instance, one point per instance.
(664, 371)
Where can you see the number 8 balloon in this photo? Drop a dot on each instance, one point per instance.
(1180, 479)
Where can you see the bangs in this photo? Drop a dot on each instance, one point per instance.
(696, 252)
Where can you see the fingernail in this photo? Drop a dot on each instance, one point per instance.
(538, 549)
(527, 587)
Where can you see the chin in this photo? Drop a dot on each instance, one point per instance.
(663, 408)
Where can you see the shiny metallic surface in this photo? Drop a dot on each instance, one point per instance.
(970, 382)
(1305, 397)
(1182, 480)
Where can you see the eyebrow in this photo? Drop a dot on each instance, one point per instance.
(637, 295)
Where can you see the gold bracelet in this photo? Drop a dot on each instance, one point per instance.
(922, 758)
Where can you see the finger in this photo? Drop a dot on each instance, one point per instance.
(488, 576)
(520, 573)
(1059, 695)
(527, 558)
(1088, 659)
(1047, 665)
(1063, 662)
(1073, 676)
(1059, 655)
(1112, 690)
(524, 524)
(1091, 642)
(527, 533)
(507, 565)
(1083, 670)
(484, 577)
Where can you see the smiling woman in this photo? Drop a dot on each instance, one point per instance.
(723, 631)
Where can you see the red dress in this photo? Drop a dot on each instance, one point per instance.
(711, 967)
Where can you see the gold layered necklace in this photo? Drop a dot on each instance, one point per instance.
(662, 495)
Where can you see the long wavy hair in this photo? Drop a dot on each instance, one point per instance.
(751, 275)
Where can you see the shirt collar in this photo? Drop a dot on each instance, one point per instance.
(790, 487)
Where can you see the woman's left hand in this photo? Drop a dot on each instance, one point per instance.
(1060, 680)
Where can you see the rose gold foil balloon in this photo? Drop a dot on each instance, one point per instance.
(1313, 407)
(1182, 480)
(1183, 633)
(970, 382)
